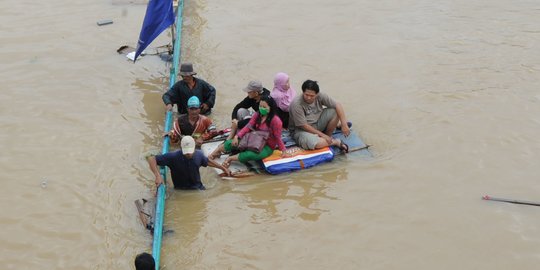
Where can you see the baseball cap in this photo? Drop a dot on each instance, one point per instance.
(253, 86)
(188, 145)
(193, 102)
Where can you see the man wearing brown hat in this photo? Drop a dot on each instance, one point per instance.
(241, 113)
(187, 87)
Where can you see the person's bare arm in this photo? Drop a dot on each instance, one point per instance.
(155, 169)
(341, 115)
(214, 164)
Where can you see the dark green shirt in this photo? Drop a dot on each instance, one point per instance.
(180, 93)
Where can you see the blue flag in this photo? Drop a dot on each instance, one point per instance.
(159, 16)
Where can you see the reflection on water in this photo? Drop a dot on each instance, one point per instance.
(186, 213)
(280, 198)
(154, 112)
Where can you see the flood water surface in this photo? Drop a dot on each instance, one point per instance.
(446, 93)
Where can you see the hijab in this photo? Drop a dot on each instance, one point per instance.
(282, 96)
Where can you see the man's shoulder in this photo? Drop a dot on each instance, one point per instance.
(322, 95)
(183, 118)
(179, 83)
(170, 155)
(325, 99)
(296, 109)
(246, 102)
(298, 101)
(199, 155)
(177, 153)
(201, 81)
(205, 119)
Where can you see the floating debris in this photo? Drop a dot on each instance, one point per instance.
(104, 22)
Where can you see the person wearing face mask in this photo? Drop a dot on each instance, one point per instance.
(265, 119)
(283, 94)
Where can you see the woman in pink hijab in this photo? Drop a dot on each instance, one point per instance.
(283, 94)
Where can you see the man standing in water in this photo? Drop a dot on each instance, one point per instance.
(184, 165)
(313, 118)
(187, 87)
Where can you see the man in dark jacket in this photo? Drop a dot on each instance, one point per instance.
(187, 87)
(241, 113)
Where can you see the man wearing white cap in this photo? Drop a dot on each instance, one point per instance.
(184, 165)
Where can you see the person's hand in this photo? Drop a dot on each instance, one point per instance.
(169, 107)
(227, 171)
(345, 129)
(159, 180)
(327, 138)
(170, 134)
(285, 154)
(204, 107)
(234, 123)
(235, 141)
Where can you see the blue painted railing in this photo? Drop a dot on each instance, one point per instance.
(160, 202)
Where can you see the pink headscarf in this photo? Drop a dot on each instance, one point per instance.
(282, 97)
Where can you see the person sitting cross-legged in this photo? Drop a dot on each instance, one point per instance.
(265, 119)
(313, 117)
(193, 124)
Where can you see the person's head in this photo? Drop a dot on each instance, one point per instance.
(254, 89)
(281, 81)
(267, 107)
(144, 261)
(194, 106)
(188, 146)
(310, 90)
(187, 72)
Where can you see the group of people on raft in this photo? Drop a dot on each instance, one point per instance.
(311, 118)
